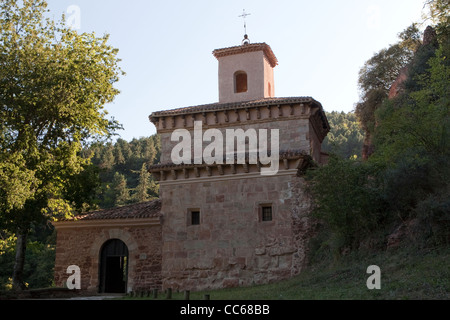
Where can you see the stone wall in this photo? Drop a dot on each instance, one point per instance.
(293, 135)
(300, 122)
(232, 246)
(303, 225)
(80, 245)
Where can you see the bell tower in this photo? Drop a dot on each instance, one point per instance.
(246, 72)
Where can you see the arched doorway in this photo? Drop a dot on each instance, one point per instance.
(113, 267)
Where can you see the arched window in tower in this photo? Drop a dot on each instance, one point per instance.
(240, 82)
(269, 89)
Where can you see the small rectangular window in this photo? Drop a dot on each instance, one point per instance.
(266, 213)
(195, 218)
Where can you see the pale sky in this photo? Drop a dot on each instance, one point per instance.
(166, 47)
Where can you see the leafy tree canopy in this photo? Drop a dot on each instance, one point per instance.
(405, 182)
(346, 136)
(54, 84)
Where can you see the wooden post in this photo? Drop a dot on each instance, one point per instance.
(206, 297)
(155, 293)
(169, 293)
(186, 295)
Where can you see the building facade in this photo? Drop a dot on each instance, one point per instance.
(117, 250)
(229, 222)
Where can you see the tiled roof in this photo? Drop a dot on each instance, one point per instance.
(218, 53)
(150, 209)
(233, 105)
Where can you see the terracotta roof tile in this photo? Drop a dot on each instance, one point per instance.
(218, 53)
(233, 105)
(150, 209)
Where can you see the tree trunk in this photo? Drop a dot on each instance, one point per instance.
(21, 246)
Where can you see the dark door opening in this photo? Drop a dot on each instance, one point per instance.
(113, 267)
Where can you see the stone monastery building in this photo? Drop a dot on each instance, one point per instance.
(216, 225)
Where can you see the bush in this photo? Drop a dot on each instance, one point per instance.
(348, 200)
(434, 218)
(406, 183)
(40, 259)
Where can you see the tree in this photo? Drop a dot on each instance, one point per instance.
(141, 194)
(118, 156)
(110, 158)
(81, 189)
(413, 141)
(407, 177)
(107, 158)
(438, 11)
(54, 84)
(346, 136)
(121, 194)
(149, 150)
(378, 75)
(125, 148)
(347, 196)
(419, 118)
(413, 135)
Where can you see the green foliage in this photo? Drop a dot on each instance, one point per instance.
(365, 110)
(125, 180)
(122, 170)
(147, 188)
(418, 69)
(40, 258)
(417, 123)
(348, 199)
(54, 84)
(346, 137)
(413, 140)
(407, 178)
(438, 11)
(80, 189)
(16, 182)
(379, 73)
(119, 190)
(7, 253)
(433, 214)
(39, 265)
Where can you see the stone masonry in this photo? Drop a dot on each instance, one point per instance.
(231, 246)
(216, 225)
(79, 242)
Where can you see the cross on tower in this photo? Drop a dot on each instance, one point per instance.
(244, 15)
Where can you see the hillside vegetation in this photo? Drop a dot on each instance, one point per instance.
(346, 137)
(383, 199)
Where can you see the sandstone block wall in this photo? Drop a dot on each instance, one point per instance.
(82, 247)
(293, 135)
(232, 246)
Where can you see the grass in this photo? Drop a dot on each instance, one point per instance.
(406, 274)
